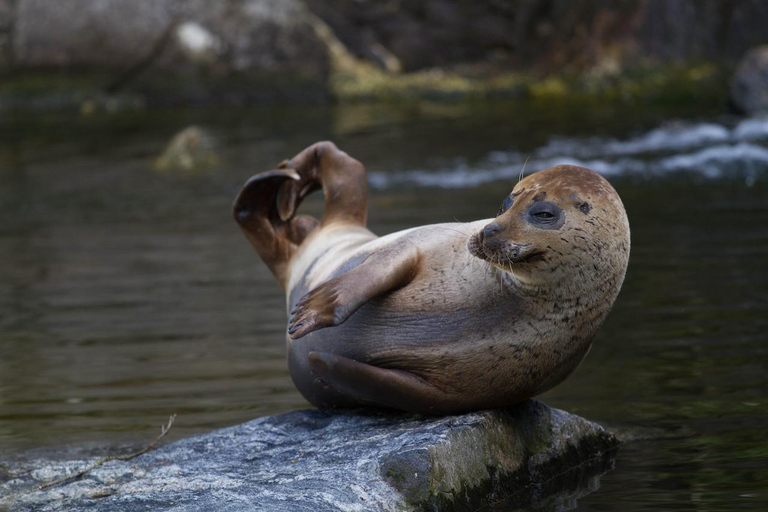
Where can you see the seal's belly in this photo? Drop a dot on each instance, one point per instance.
(445, 305)
(442, 320)
(413, 330)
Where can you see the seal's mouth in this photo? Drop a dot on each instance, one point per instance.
(501, 252)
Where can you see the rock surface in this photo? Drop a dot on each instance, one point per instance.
(749, 88)
(319, 461)
(170, 51)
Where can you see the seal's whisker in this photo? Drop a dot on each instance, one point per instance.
(511, 267)
(456, 230)
(470, 262)
(522, 171)
(456, 236)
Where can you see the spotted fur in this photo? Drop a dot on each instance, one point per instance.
(452, 317)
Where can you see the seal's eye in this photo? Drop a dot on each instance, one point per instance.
(506, 205)
(545, 215)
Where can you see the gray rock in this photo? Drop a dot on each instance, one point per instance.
(320, 461)
(749, 87)
(169, 51)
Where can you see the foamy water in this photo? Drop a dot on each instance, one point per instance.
(710, 149)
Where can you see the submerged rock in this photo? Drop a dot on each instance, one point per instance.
(322, 461)
(192, 149)
(749, 88)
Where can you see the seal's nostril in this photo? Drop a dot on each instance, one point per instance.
(491, 230)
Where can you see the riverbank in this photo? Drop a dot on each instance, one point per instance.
(94, 55)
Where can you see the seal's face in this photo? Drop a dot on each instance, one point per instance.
(562, 222)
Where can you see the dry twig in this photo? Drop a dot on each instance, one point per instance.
(163, 431)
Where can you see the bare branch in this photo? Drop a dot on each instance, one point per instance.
(163, 431)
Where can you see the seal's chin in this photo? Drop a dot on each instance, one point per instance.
(502, 253)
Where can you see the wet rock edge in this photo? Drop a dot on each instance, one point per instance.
(545, 471)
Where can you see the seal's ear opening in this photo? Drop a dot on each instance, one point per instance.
(257, 199)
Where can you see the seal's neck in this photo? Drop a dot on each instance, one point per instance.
(567, 310)
(576, 288)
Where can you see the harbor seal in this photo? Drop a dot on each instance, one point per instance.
(439, 319)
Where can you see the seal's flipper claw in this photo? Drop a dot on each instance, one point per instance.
(306, 321)
(396, 389)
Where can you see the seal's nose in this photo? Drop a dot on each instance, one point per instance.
(490, 230)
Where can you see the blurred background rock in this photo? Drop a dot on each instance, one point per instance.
(117, 53)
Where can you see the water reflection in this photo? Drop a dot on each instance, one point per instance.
(127, 294)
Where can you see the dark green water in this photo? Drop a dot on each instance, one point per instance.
(128, 294)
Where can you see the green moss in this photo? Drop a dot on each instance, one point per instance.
(643, 83)
(371, 84)
(678, 84)
(396, 476)
(356, 81)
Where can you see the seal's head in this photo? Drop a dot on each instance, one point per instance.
(562, 228)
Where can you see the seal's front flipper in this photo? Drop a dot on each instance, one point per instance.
(337, 299)
(395, 389)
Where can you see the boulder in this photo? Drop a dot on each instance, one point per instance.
(170, 51)
(321, 461)
(749, 86)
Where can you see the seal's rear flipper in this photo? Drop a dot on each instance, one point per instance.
(266, 206)
(257, 200)
(396, 389)
(341, 177)
(274, 235)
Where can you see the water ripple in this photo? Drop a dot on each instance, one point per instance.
(710, 149)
